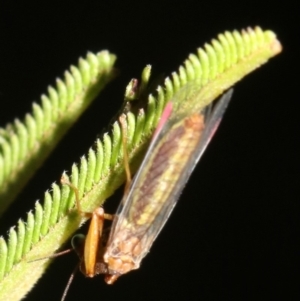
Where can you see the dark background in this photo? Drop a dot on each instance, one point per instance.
(233, 233)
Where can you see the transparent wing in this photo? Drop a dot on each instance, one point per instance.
(168, 163)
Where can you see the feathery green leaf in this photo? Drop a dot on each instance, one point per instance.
(25, 145)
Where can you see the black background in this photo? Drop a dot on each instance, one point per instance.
(233, 233)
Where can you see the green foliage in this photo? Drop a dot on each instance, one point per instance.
(24, 145)
(214, 69)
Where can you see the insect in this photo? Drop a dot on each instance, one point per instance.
(174, 151)
(179, 141)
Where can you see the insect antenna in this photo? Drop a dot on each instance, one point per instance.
(53, 255)
(69, 282)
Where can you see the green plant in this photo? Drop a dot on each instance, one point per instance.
(25, 144)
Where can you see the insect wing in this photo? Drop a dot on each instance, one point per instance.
(212, 119)
(168, 163)
(212, 122)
